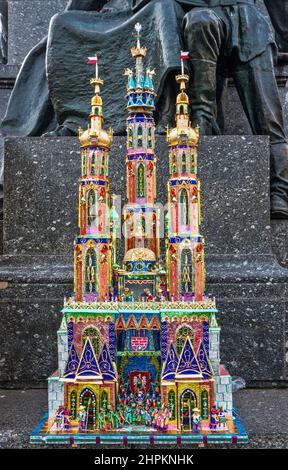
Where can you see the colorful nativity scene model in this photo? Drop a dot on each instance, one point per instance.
(138, 346)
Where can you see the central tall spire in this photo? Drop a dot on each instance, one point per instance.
(140, 214)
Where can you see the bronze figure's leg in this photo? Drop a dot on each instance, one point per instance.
(257, 88)
(204, 36)
(278, 11)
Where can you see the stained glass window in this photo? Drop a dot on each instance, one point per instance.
(90, 272)
(186, 271)
(73, 404)
(205, 404)
(172, 404)
(181, 336)
(84, 168)
(103, 164)
(140, 137)
(130, 138)
(91, 208)
(104, 399)
(141, 181)
(93, 164)
(95, 337)
(149, 137)
(184, 207)
(184, 168)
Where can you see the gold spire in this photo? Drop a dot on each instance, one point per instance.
(138, 51)
(95, 134)
(183, 130)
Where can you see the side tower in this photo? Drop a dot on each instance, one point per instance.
(185, 246)
(92, 262)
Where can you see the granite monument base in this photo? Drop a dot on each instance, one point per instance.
(40, 223)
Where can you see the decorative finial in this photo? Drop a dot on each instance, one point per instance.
(96, 82)
(138, 51)
(138, 29)
(183, 78)
(184, 56)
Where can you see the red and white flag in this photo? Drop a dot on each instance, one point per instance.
(184, 55)
(93, 60)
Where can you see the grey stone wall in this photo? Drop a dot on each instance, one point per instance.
(28, 24)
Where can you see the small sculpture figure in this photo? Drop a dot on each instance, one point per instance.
(102, 420)
(166, 417)
(116, 417)
(109, 418)
(82, 418)
(128, 415)
(222, 419)
(59, 418)
(66, 419)
(196, 421)
(214, 419)
(121, 416)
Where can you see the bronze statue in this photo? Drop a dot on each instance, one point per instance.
(278, 11)
(222, 40)
(220, 35)
(52, 84)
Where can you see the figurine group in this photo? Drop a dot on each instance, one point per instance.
(63, 418)
(218, 419)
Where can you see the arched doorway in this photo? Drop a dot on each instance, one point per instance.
(188, 402)
(88, 399)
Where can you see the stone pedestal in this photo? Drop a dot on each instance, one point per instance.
(40, 223)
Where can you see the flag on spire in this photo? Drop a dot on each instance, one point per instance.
(184, 55)
(93, 60)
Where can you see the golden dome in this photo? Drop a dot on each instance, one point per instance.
(139, 254)
(182, 98)
(97, 101)
(183, 134)
(100, 138)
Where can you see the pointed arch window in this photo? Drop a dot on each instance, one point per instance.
(141, 181)
(184, 207)
(140, 137)
(181, 335)
(104, 399)
(192, 169)
(103, 165)
(184, 166)
(150, 137)
(174, 164)
(91, 271)
(205, 404)
(186, 272)
(84, 164)
(130, 138)
(172, 404)
(91, 208)
(93, 164)
(95, 337)
(73, 404)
